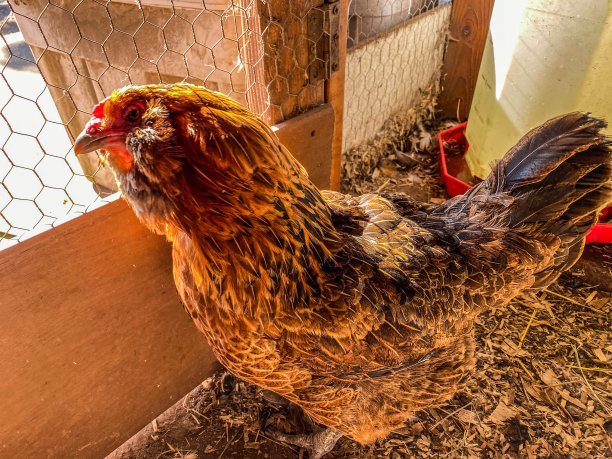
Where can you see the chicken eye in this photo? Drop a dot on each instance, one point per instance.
(132, 115)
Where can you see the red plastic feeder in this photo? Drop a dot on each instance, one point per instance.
(600, 233)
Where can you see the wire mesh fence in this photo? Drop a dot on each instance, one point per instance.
(58, 58)
(395, 50)
(370, 18)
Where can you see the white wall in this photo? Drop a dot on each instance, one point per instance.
(542, 58)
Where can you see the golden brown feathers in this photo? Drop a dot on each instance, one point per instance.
(359, 309)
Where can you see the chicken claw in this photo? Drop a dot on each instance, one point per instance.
(318, 443)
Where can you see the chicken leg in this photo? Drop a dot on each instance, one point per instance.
(318, 443)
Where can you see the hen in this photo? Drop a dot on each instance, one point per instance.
(358, 309)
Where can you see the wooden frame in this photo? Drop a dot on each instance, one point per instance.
(468, 34)
(94, 342)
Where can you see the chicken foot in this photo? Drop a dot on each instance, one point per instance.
(318, 443)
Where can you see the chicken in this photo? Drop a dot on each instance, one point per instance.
(357, 308)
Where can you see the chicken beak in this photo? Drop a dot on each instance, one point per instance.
(87, 142)
(112, 142)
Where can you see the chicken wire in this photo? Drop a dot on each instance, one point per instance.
(395, 51)
(60, 57)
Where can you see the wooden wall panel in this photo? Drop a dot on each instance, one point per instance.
(309, 138)
(468, 34)
(94, 341)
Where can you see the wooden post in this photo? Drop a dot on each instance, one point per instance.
(468, 34)
(334, 95)
(282, 52)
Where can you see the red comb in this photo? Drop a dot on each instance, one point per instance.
(95, 122)
(98, 110)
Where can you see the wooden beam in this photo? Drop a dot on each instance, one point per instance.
(334, 95)
(94, 341)
(468, 34)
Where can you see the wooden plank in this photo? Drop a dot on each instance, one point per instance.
(94, 341)
(309, 138)
(468, 34)
(334, 95)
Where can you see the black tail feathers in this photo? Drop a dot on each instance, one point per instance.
(550, 187)
(559, 173)
(559, 176)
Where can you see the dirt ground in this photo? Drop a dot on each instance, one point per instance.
(542, 385)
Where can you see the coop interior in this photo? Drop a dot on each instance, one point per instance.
(97, 356)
